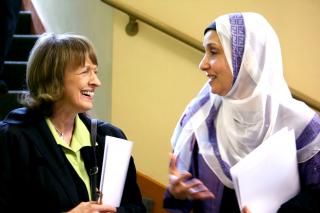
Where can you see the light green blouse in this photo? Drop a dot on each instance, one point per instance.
(80, 138)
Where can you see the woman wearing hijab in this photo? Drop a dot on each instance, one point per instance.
(51, 151)
(244, 102)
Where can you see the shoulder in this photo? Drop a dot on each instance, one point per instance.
(104, 128)
(20, 120)
(3, 127)
(21, 116)
(15, 118)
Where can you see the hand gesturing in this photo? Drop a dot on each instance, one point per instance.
(182, 186)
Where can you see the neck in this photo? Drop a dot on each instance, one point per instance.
(60, 133)
(64, 127)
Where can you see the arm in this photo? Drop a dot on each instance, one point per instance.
(6, 195)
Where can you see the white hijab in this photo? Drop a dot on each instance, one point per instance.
(258, 104)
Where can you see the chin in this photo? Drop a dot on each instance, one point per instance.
(217, 92)
(86, 108)
(214, 91)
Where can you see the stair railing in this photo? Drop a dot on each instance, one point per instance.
(132, 29)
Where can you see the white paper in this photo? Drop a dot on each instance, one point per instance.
(116, 159)
(268, 176)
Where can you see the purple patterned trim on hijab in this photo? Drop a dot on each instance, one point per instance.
(238, 35)
(309, 133)
(194, 108)
(213, 140)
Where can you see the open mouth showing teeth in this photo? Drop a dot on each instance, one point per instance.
(87, 93)
(211, 77)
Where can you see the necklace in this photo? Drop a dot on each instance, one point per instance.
(59, 132)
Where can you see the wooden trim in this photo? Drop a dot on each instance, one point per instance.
(151, 188)
(36, 25)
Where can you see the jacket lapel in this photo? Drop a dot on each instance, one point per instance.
(55, 158)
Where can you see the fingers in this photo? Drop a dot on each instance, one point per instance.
(105, 208)
(245, 210)
(182, 188)
(92, 206)
(201, 195)
(179, 177)
(172, 163)
(191, 189)
(195, 186)
(197, 190)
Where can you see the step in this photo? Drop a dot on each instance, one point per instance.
(148, 203)
(15, 74)
(24, 23)
(9, 102)
(21, 47)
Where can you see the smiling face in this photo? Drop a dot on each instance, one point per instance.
(215, 64)
(79, 87)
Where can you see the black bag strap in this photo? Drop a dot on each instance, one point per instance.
(94, 170)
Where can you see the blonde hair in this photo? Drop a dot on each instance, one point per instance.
(48, 61)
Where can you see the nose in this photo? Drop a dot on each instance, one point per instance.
(204, 65)
(94, 80)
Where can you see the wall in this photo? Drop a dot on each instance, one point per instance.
(92, 19)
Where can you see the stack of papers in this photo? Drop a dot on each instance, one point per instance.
(268, 176)
(116, 159)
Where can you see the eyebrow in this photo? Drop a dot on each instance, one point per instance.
(93, 66)
(213, 44)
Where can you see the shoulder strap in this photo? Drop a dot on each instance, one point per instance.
(94, 170)
(93, 131)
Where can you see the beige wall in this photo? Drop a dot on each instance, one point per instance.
(154, 76)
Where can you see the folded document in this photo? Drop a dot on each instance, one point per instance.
(268, 176)
(116, 159)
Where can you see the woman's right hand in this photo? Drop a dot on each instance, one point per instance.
(182, 187)
(92, 207)
(245, 210)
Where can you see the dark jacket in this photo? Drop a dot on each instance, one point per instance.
(36, 176)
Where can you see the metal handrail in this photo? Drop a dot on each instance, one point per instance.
(134, 14)
(306, 99)
(180, 36)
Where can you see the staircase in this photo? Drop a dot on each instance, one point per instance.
(16, 63)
